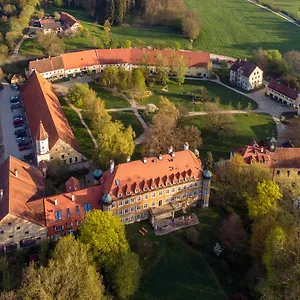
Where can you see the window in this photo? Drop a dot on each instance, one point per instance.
(26, 232)
(76, 159)
(298, 172)
(288, 173)
(77, 210)
(195, 193)
(131, 218)
(58, 215)
(145, 205)
(146, 196)
(126, 210)
(59, 228)
(126, 202)
(160, 193)
(145, 214)
(120, 203)
(153, 195)
(153, 204)
(11, 236)
(78, 222)
(9, 223)
(138, 199)
(132, 209)
(70, 160)
(195, 184)
(173, 190)
(18, 228)
(2, 232)
(179, 189)
(68, 213)
(138, 216)
(178, 197)
(138, 207)
(185, 187)
(69, 225)
(62, 156)
(278, 172)
(132, 200)
(191, 186)
(120, 212)
(172, 198)
(167, 191)
(87, 207)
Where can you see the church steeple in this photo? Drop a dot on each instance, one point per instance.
(42, 144)
(42, 133)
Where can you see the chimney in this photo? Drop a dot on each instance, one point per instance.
(73, 198)
(111, 166)
(1, 193)
(144, 160)
(160, 156)
(186, 146)
(16, 172)
(170, 150)
(128, 159)
(55, 202)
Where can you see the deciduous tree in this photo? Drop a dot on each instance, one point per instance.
(191, 25)
(78, 92)
(50, 43)
(180, 69)
(209, 161)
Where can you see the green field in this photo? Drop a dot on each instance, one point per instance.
(110, 100)
(290, 6)
(128, 118)
(182, 95)
(233, 27)
(85, 142)
(248, 126)
(175, 270)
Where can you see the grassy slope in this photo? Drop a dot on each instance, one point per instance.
(233, 27)
(236, 27)
(29, 46)
(176, 95)
(290, 6)
(248, 126)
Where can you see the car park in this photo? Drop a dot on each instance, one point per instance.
(20, 131)
(25, 147)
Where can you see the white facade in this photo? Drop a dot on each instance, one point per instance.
(42, 150)
(255, 79)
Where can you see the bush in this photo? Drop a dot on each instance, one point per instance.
(192, 235)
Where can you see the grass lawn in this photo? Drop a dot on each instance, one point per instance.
(182, 95)
(290, 6)
(173, 269)
(128, 118)
(233, 27)
(85, 142)
(237, 27)
(110, 100)
(248, 126)
(30, 46)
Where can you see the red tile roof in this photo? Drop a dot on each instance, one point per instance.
(47, 64)
(283, 89)
(80, 59)
(136, 175)
(285, 158)
(41, 103)
(21, 184)
(73, 184)
(68, 19)
(47, 21)
(246, 68)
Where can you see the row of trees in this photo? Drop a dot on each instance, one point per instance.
(98, 265)
(115, 141)
(271, 221)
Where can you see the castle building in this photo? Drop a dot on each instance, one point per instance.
(152, 188)
(52, 136)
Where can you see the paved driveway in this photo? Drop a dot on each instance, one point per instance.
(7, 127)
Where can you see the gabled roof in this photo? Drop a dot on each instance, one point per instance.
(283, 89)
(54, 25)
(41, 103)
(80, 59)
(69, 19)
(73, 184)
(244, 67)
(286, 158)
(21, 184)
(47, 21)
(128, 177)
(47, 64)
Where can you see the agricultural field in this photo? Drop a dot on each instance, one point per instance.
(247, 127)
(291, 6)
(237, 27)
(183, 95)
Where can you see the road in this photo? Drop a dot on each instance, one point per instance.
(6, 124)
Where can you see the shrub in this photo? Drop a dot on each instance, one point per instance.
(192, 236)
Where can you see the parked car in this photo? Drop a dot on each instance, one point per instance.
(14, 99)
(18, 117)
(18, 122)
(20, 139)
(25, 147)
(14, 86)
(21, 135)
(15, 105)
(24, 142)
(20, 131)
(18, 125)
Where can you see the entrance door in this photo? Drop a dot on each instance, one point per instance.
(160, 203)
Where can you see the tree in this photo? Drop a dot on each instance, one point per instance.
(192, 235)
(126, 275)
(217, 121)
(291, 132)
(191, 25)
(162, 70)
(180, 69)
(261, 60)
(58, 3)
(138, 83)
(293, 60)
(2, 75)
(11, 37)
(78, 93)
(56, 16)
(3, 52)
(50, 43)
(209, 161)
(6, 277)
(85, 33)
(105, 234)
(233, 234)
(202, 95)
(63, 277)
(126, 44)
(265, 201)
(109, 76)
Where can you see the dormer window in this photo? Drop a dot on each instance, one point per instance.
(160, 185)
(127, 193)
(174, 181)
(137, 191)
(186, 179)
(119, 195)
(192, 177)
(145, 189)
(180, 180)
(152, 187)
(168, 184)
